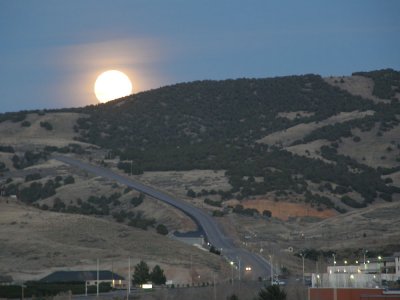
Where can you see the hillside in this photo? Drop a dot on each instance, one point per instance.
(306, 150)
(36, 242)
(291, 133)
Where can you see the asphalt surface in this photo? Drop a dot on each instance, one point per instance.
(242, 258)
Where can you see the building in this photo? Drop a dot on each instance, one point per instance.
(87, 277)
(372, 273)
(191, 238)
(365, 280)
(350, 294)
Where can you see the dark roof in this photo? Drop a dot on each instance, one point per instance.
(80, 276)
(189, 234)
(6, 278)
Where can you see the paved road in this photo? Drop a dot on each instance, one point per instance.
(205, 222)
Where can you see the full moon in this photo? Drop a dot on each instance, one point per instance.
(112, 85)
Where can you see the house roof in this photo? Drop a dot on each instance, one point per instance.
(189, 234)
(80, 276)
(5, 278)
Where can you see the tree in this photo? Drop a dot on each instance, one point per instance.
(69, 180)
(267, 213)
(141, 274)
(162, 229)
(157, 275)
(272, 292)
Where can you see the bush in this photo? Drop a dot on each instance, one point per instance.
(212, 202)
(190, 193)
(162, 229)
(31, 177)
(7, 149)
(69, 180)
(136, 201)
(3, 167)
(352, 203)
(245, 211)
(26, 124)
(217, 213)
(46, 125)
(267, 213)
(215, 250)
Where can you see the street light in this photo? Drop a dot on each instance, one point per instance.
(334, 259)
(303, 256)
(364, 252)
(232, 270)
(272, 270)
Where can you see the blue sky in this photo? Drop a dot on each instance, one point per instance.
(52, 51)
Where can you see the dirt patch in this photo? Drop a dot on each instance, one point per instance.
(355, 85)
(286, 210)
(62, 133)
(292, 115)
(373, 149)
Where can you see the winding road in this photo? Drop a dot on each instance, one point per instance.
(242, 257)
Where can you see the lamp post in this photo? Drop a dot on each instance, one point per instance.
(232, 271)
(97, 282)
(364, 252)
(302, 257)
(272, 270)
(334, 259)
(379, 268)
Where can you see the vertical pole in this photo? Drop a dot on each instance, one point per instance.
(112, 273)
(97, 278)
(272, 271)
(303, 269)
(191, 270)
(215, 289)
(232, 272)
(240, 271)
(131, 166)
(128, 290)
(85, 288)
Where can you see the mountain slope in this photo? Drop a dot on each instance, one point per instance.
(242, 126)
(299, 138)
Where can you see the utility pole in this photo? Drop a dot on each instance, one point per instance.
(215, 289)
(97, 278)
(303, 269)
(191, 269)
(364, 252)
(272, 270)
(239, 269)
(131, 166)
(232, 272)
(128, 290)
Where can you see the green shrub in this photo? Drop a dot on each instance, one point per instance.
(352, 203)
(69, 180)
(31, 177)
(162, 229)
(25, 124)
(46, 125)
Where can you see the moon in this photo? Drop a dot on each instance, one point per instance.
(112, 85)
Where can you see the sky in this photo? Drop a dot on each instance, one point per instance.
(52, 51)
